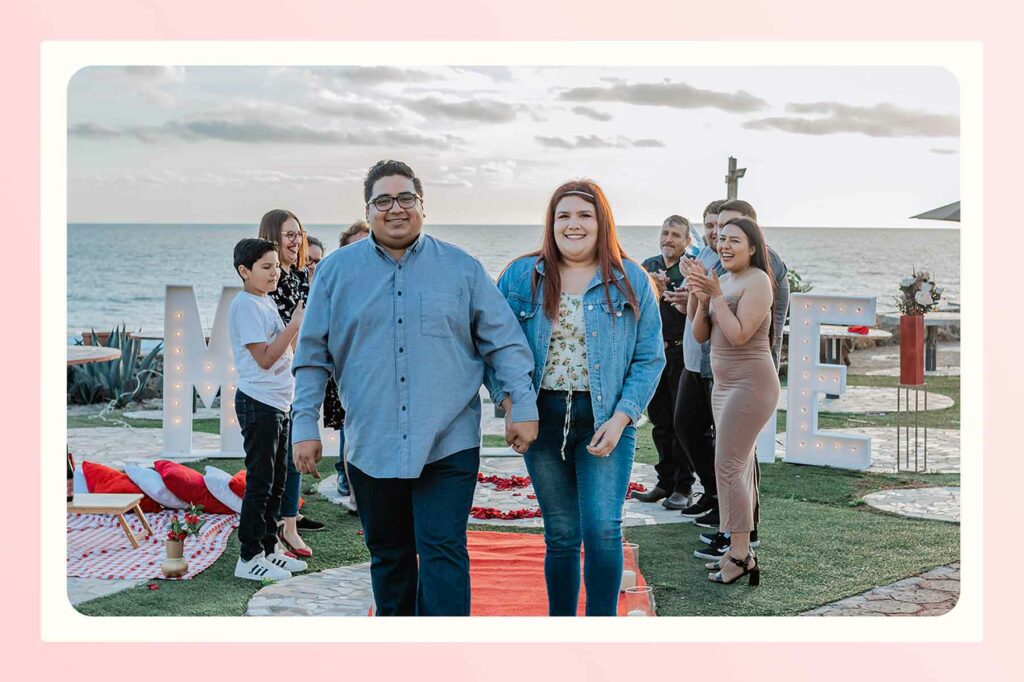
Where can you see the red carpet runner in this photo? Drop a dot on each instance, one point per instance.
(507, 574)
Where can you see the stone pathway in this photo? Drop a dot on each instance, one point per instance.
(868, 399)
(83, 589)
(885, 361)
(116, 446)
(937, 504)
(930, 594)
(943, 448)
(343, 591)
(634, 513)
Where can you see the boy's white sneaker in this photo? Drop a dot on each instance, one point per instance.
(260, 569)
(287, 563)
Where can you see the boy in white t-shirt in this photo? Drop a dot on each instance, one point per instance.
(261, 344)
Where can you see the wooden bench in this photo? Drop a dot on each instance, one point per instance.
(117, 505)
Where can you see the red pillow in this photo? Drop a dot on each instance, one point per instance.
(102, 479)
(237, 485)
(188, 484)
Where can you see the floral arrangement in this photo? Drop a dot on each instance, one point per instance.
(918, 294)
(193, 522)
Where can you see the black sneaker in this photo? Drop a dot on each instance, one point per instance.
(716, 550)
(705, 505)
(709, 520)
(708, 538)
(308, 524)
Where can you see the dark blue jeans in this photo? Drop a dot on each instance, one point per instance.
(403, 517)
(339, 466)
(581, 498)
(266, 438)
(292, 488)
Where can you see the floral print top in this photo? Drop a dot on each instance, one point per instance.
(566, 365)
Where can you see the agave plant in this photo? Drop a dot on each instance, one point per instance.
(117, 380)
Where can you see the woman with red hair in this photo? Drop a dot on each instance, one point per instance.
(591, 318)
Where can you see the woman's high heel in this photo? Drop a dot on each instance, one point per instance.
(754, 571)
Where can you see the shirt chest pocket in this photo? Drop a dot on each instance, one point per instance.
(439, 314)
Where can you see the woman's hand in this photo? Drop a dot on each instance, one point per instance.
(607, 437)
(712, 286)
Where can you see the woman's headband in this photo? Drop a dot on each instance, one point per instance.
(578, 192)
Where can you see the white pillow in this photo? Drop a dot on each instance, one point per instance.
(217, 483)
(78, 481)
(152, 485)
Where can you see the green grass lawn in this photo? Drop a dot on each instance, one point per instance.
(819, 541)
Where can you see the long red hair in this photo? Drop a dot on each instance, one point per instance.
(609, 252)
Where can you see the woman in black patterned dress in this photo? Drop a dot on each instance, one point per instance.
(284, 228)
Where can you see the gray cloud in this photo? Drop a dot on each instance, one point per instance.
(595, 142)
(174, 73)
(937, 150)
(881, 120)
(374, 75)
(674, 95)
(478, 110)
(93, 131)
(499, 74)
(254, 131)
(333, 104)
(591, 113)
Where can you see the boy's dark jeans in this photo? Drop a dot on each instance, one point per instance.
(266, 432)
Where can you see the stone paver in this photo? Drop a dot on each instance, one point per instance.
(634, 513)
(937, 504)
(860, 399)
(343, 591)
(930, 594)
(84, 589)
(943, 448)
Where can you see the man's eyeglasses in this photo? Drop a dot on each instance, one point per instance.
(385, 201)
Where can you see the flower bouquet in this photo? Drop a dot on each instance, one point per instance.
(918, 295)
(175, 566)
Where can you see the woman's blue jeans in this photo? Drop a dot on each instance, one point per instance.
(581, 498)
(292, 488)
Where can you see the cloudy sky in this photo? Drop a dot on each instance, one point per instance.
(824, 146)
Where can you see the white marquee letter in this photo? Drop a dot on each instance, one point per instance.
(808, 377)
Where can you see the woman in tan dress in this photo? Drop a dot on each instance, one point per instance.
(736, 314)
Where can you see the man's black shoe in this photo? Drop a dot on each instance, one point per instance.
(705, 505)
(716, 550)
(307, 524)
(708, 538)
(709, 520)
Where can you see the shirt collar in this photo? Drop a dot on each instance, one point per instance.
(410, 250)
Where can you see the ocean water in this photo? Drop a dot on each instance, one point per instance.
(118, 273)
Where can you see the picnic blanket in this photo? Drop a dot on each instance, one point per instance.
(507, 576)
(98, 548)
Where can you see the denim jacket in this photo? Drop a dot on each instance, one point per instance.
(625, 353)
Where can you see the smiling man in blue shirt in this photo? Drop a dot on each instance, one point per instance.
(406, 324)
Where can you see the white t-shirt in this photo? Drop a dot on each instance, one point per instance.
(254, 319)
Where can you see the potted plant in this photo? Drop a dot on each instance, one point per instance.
(175, 566)
(918, 295)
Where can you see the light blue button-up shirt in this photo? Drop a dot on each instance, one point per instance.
(407, 342)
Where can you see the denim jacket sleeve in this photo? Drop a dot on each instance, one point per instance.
(648, 359)
(508, 359)
(312, 365)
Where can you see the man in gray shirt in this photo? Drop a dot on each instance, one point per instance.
(406, 323)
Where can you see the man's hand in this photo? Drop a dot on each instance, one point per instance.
(660, 280)
(307, 454)
(677, 299)
(522, 435)
(518, 435)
